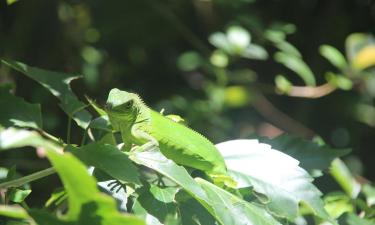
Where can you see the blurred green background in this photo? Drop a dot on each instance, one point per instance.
(210, 61)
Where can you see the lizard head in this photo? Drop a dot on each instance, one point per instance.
(122, 108)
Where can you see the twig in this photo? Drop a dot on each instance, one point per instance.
(26, 179)
(280, 119)
(179, 26)
(311, 92)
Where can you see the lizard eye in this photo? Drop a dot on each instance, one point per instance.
(129, 104)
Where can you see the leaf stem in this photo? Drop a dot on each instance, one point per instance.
(29, 178)
(69, 130)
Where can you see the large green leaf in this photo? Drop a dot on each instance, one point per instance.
(155, 160)
(232, 210)
(87, 205)
(273, 174)
(158, 162)
(313, 157)
(297, 65)
(14, 111)
(109, 159)
(58, 85)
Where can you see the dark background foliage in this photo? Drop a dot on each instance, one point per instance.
(135, 45)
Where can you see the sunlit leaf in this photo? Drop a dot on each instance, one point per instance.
(365, 58)
(283, 84)
(297, 65)
(236, 96)
(337, 204)
(273, 174)
(312, 157)
(16, 138)
(58, 85)
(9, 2)
(238, 37)
(219, 59)
(156, 161)
(14, 111)
(356, 42)
(232, 210)
(18, 195)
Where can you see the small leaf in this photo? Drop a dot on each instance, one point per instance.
(254, 51)
(298, 66)
(219, 40)
(57, 196)
(365, 58)
(9, 2)
(343, 176)
(189, 61)
(283, 84)
(219, 59)
(356, 42)
(334, 56)
(238, 38)
(339, 81)
(14, 111)
(273, 174)
(337, 204)
(236, 96)
(109, 159)
(58, 85)
(232, 210)
(18, 195)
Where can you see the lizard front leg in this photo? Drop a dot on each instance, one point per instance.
(148, 141)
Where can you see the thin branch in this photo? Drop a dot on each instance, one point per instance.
(29, 178)
(185, 32)
(280, 119)
(311, 92)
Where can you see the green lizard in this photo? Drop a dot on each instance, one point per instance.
(140, 125)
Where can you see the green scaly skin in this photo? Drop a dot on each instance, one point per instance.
(145, 128)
